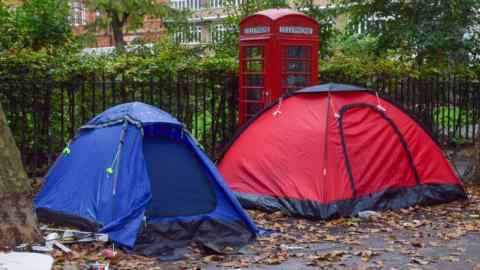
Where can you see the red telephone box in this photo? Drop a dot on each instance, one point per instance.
(278, 54)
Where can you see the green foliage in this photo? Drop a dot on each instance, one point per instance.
(354, 57)
(431, 30)
(219, 61)
(7, 27)
(43, 24)
(447, 116)
(444, 115)
(35, 25)
(139, 64)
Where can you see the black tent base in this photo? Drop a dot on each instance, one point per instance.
(169, 240)
(397, 198)
(48, 216)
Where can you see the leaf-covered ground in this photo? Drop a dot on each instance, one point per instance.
(439, 237)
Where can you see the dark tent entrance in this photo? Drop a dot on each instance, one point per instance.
(168, 161)
(335, 150)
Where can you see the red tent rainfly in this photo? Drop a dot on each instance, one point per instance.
(334, 150)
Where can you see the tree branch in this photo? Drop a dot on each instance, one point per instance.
(124, 18)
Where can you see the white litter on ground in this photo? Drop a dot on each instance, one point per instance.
(25, 261)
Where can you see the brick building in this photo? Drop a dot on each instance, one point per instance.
(205, 23)
(80, 17)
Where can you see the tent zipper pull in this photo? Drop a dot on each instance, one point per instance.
(381, 108)
(379, 104)
(277, 112)
(66, 151)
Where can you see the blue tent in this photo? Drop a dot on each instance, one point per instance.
(135, 173)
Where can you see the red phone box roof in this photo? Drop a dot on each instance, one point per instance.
(284, 22)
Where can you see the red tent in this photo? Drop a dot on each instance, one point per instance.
(335, 150)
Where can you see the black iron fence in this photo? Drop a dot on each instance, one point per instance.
(44, 113)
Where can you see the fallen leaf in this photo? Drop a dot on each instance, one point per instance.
(420, 261)
(450, 259)
(329, 237)
(331, 256)
(417, 244)
(366, 254)
(213, 258)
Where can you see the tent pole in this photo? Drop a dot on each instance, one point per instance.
(118, 155)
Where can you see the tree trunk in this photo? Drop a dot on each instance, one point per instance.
(476, 168)
(117, 28)
(18, 223)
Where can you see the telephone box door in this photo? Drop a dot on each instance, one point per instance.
(297, 67)
(255, 91)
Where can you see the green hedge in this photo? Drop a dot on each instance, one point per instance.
(137, 64)
(353, 57)
(164, 57)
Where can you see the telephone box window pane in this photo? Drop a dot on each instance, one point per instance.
(254, 53)
(254, 80)
(296, 80)
(296, 66)
(298, 52)
(254, 66)
(254, 94)
(253, 108)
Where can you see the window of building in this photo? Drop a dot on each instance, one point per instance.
(186, 4)
(191, 34)
(217, 32)
(199, 4)
(215, 3)
(237, 2)
(374, 22)
(78, 13)
(224, 3)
